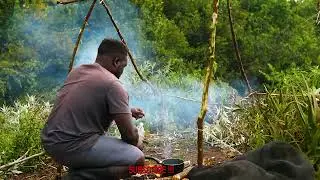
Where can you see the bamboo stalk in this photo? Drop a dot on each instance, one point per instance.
(123, 41)
(211, 67)
(236, 48)
(20, 160)
(85, 22)
(24, 155)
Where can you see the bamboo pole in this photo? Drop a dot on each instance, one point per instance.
(123, 41)
(20, 160)
(235, 45)
(210, 71)
(85, 22)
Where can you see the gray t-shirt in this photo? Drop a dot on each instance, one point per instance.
(83, 110)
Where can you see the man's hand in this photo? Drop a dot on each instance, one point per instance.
(137, 113)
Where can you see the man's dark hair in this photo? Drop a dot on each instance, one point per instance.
(111, 46)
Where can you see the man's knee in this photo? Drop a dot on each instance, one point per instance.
(140, 160)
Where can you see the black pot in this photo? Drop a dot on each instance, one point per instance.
(170, 166)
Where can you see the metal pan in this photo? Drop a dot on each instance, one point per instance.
(171, 166)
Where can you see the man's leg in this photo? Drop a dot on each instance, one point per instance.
(121, 172)
(140, 161)
(115, 152)
(107, 151)
(109, 156)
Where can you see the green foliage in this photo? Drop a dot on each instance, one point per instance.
(295, 77)
(168, 29)
(20, 127)
(292, 118)
(38, 38)
(281, 33)
(37, 41)
(168, 76)
(290, 113)
(274, 32)
(30, 53)
(18, 71)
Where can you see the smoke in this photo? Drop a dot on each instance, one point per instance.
(165, 108)
(51, 35)
(172, 109)
(168, 108)
(126, 16)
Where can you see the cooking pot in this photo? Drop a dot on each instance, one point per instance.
(170, 166)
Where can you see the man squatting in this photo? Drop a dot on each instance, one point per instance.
(91, 98)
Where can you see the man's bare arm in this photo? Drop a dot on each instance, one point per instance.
(129, 133)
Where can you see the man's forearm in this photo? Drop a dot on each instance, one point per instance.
(129, 132)
(132, 139)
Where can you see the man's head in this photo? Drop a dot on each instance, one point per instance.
(112, 55)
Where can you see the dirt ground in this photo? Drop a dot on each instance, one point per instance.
(183, 146)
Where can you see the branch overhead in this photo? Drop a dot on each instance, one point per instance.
(67, 1)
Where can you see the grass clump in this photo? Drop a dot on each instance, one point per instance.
(289, 113)
(20, 127)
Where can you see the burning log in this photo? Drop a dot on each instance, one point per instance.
(183, 174)
(210, 71)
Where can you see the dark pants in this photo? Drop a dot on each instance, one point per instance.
(107, 151)
(109, 158)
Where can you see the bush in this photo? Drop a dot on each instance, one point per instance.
(289, 113)
(20, 128)
(293, 77)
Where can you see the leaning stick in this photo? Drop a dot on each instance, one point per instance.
(20, 160)
(85, 22)
(67, 1)
(196, 101)
(235, 45)
(122, 39)
(211, 67)
(273, 94)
